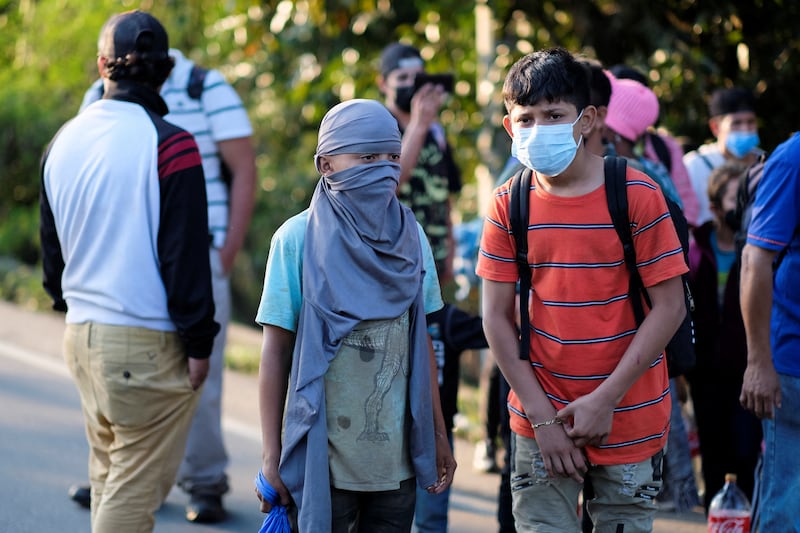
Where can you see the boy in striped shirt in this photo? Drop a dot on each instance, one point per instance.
(593, 399)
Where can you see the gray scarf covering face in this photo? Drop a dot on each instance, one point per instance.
(361, 261)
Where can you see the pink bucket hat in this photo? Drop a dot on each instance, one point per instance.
(632, 109)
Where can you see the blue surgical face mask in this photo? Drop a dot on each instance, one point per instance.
(740, 143)
(548, 150)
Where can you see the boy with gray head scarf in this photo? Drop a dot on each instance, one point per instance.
(347, 286)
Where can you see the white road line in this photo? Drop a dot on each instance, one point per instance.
(241, 429)
(38, 359)
(56, 366)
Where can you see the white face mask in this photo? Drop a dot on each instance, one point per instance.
(548, 150)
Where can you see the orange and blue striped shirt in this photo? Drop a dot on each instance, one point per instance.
(581, 319)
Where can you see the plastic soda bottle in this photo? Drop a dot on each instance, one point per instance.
(729, 511)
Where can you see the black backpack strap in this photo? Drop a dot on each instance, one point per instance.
(748, 184)
(662, 151)
(194, 88)
(197, 78)
(519, 196)
(706, 160)
(617, 198)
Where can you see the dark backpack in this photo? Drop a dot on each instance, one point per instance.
(197, 78)
(194, 87)
(680, 349)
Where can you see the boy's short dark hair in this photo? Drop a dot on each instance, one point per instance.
(551, 75)
(599, 86)
(732, 100)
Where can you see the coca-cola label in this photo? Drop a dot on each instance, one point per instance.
(729, 522)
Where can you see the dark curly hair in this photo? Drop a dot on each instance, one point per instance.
(141, 67)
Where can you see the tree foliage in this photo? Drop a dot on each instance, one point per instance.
(293, 60)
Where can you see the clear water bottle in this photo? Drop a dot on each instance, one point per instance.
(729, 511)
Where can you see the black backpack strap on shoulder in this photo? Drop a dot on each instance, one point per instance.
(617, 198)
(748, 184)
(519, 196)
(195, 88)
(706, 160)
(197, 78)
(661, 149)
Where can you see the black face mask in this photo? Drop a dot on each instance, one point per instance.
(731, 220)
(402, 98)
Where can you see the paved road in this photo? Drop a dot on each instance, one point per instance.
(43, 448)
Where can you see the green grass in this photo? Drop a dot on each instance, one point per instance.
(22, 284)
(241, 358)
(468, 425)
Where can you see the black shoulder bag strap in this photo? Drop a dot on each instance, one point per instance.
(705, 160)
(661, 149)
(617, 198)
(518, 211)
(195, 88)
(197, 78)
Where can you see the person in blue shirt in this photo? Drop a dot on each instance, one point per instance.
(770, 301)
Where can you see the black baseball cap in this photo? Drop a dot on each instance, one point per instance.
(133, 31)
(399, 55)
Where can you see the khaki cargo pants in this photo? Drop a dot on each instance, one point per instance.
(137, 404)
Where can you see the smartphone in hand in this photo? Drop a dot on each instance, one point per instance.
(447, 80)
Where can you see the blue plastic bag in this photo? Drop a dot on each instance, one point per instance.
(276, 521)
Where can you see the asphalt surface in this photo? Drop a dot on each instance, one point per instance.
(43, 447)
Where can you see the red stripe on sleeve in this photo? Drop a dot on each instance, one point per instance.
(175, 145)
(177, 153)
(180, 162)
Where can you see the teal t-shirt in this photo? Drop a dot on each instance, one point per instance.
(725, 260)
(282, 295)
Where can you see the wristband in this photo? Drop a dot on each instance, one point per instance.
(547, 423)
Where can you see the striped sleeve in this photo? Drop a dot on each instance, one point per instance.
(183, 240)
(496, 257)
(659, 255)
(776, 208)
(178, 152)
(226, 115)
